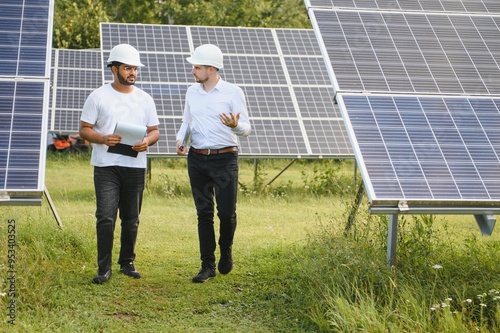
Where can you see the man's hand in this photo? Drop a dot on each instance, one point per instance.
(182, 151)
(111, 140)
(143, 146)
(230, 120)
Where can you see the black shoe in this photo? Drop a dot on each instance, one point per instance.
(226, 261)
(129, 270)
(205, 274)
(101, 278)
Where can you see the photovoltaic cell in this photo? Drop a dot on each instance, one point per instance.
(241, 41)
(270, 102)
(146, 38)
(316, 101)
(297, 42)
(307, 71)
(25, 36)
(75, 74)
(286, 140)
(281, 71)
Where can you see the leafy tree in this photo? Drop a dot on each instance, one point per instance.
(76, 23)
(133, 11)
(245, 13)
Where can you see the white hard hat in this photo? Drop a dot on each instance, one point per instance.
(207, 55)
(126, 54)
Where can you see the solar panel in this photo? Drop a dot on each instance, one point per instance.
(282, 72)
(75, 74)
(25, 38)
(460, 6)
(423, 149)
(417, 89)
(402, 52)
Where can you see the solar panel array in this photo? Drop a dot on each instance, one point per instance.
(460, 6)
(289, 95)
(25, 38)
(74, 75)
(417, 85)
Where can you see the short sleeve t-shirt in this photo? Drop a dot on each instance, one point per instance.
(105, 107)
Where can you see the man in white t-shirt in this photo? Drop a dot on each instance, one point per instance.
(118, 177)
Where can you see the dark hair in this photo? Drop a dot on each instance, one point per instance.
(115, 63)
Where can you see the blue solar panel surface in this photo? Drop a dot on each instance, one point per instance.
(75, 74)
(401, 52)
(289, 96)
(417, 86)
(25, 36)
(459, 6)
(420, 148)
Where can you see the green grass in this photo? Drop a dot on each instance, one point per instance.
(295, 270)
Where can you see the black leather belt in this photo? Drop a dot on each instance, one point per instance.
(213, 151)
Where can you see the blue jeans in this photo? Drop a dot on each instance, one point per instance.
(214, 176)
(117, 189)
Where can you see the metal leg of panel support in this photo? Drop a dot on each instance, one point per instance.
(354, 208)
(392, 238)
(279, 174)
(486, 223)
(148, 170)
(52, 207)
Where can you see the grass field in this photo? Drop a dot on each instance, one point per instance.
(295, 270)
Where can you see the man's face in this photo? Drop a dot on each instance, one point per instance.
(200, 73)
(127, 74)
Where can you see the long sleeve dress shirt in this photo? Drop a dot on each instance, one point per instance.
(202, 111)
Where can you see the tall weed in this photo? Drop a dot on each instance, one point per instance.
(435, 287)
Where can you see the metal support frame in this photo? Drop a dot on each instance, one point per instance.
(279, 174)
(52, 207)
(148, 170)
(6, 199)
(354, 208)
(392, 238)
(486, 223)
(485, 218)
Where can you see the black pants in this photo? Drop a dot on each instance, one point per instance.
(214, 175)
(117, 188)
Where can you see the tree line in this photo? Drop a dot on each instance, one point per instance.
(76, 23)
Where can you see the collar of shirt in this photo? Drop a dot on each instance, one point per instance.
(216, 87)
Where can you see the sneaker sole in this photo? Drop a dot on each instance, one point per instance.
(100, 279)
(201, 281)
(130, 275)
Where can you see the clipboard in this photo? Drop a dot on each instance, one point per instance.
(187, 138)
(131, 134)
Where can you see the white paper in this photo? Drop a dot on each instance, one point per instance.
(131, 134)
